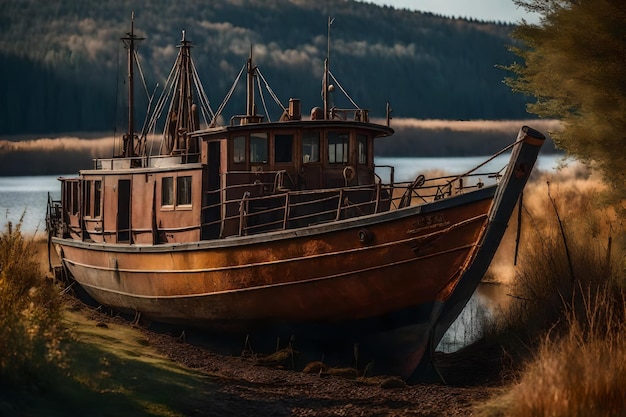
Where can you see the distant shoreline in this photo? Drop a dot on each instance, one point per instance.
(60, 153)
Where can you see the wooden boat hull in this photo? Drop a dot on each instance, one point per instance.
(384, 278)
(321, 274)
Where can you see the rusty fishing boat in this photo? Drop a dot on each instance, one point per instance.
(251, 224)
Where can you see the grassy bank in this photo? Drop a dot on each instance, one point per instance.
(108, 370)
(30, 312)
(57, 362)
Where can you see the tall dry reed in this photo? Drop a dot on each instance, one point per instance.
(569, 305)
(581, 373)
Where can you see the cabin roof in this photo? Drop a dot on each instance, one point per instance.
(377, 129)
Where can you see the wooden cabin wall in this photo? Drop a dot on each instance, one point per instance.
(130, 208)
(289, 165)
(143, 208)
(70, 200)
(178, 222)
(109, 210)
(92, 194)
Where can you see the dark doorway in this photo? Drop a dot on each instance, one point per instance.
(123, 211)
(211, 204)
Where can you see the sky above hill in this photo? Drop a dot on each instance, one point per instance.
(489, 10)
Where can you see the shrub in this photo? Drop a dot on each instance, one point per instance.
(30, 314)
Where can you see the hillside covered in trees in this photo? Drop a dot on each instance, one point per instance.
(64, 66)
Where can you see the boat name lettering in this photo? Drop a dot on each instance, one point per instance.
(428, 222)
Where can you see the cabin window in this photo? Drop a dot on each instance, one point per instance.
(283, 148)
(97, 198)
(311, 147)
(258, 147)
(167, 191)
(338, 147)
(239, 149)
(183, 191)
(87, 212)
(362, 144)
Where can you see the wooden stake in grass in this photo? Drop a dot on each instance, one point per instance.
(556, 211)
(519, 226)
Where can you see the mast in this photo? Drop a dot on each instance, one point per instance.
(182, 117)
(250, 110)
(184, 121)
(326, 74)
(129, 44)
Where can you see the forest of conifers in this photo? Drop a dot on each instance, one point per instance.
(63, 65)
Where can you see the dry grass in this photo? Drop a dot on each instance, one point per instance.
(568, 311)
(96, 147)
(582, 373)
(501, 126)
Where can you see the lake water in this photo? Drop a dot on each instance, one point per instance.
(406, 169)
(27, 197)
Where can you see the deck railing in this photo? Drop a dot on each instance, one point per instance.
(263, 206)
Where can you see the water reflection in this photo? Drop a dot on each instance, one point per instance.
(488, 300)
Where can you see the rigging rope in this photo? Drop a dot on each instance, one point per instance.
(143, 79)
(144, 128)
(269, 89)
(230, 93)
(344, 91)
(158, 109)
(201, 93)
(173, 87)
(258, 80)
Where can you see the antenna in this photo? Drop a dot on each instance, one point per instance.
(250, 86)
(330, 23)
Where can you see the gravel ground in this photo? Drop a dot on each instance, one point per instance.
(242, 385)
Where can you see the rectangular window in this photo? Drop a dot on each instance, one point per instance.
(239, 150)
(362, 143)
(311, 147)
(338, 147)
(97, 198)
(183, 191)
(167, 191)
(258, 147)
(283, 148)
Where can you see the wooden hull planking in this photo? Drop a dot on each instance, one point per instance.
(326, 275)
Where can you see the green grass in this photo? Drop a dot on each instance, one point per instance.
(110, 371)
(57, 362)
